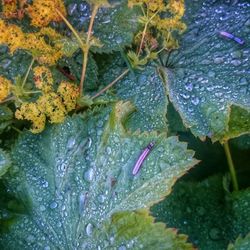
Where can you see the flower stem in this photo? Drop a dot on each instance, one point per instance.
(86, 48)
(27, 73)
(75, 33)
(111, 84)
(231, 166)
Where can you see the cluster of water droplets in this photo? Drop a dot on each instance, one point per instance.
(210, 68)
(146, 91)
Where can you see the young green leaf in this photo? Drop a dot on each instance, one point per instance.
(211, 71)
(240, 243)
(78, 174)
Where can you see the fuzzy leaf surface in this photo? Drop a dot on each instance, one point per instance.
(240, 243)
(211, 217)
(77, 174)
(144, 88)
(211, 72)
(114, 26)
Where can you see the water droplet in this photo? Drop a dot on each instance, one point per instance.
(218, 60)
(53, 205)
(89, 175)
(211, 74)
(243, 81)
(189, 86)
(101, 198)
(71, 142)
(82, 202)
(195, 100)
(89, 229)
(31, 238)
(72, 9)
(42, 208)
(236, 62)
(109, 150)
(122, 247)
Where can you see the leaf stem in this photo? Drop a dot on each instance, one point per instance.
(231, 166)
(86, 48)
(75, 33)
(111, 84)
(27, 73)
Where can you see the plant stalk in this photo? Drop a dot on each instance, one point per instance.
(71, 28)
(86, 49)
(110, 84)
(231, 166)
(27, 73)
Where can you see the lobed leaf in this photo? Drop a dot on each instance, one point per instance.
(211, 72)
(78, 174)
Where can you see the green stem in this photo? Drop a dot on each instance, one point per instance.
(231, 166)
(111, 84)
(27, 73)
(86, 49)
(77, 36)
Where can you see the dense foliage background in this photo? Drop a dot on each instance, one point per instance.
(86, 86)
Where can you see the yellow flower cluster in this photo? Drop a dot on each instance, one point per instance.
(5, 86)
(69, 93)
(9, 8)
(165, 26)
(43, 78)
(31, 112)
(42, 12)
(43, 52)
(53, 105)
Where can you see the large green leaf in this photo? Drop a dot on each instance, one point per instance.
(211, 72)
(210, 216)
(114, 27)
(77, 174)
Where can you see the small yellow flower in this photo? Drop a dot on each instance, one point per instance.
(9, 8)
(31, 112)
(43, 78)
(42, 12)
(52, 106)
(177, 7)
(69, 93)
(5, 86)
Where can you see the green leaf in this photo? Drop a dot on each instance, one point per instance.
(146, 91)
(12, 66)
(6, 116)
(5, 162)
(209, 215)
(211, 72)
(144, 88)
(77, 174)
(146, 234)
(240, 243)
(114, 27)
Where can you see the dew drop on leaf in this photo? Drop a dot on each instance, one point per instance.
(89, 175)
